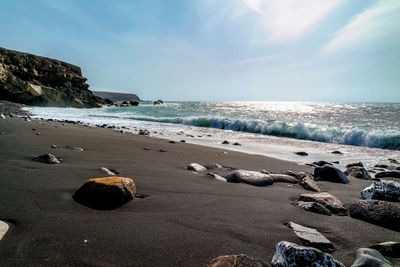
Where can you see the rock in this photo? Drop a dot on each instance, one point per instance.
(384, 166)
(309, 184)
(388, 249)
(162, 150)
(146, 148)
(288, 254)
(196, 167)
(216, 176)
(182, 141)
(301, 153)
(358, 172)
(214, 166)
(53, 146)
(144, 132)
(311, 237)
(337, 152)
(264, 171)
(393, 174)
(37, 133)
(236, 261)
(171, 142)
(283, 178)
(47, 158)
(378, 212)
(225, 142)
(314, 207)
(105, 193)
(330, 202)
(367, 257)
(107, 171)
(250, 177)
(335, 162)
(158, 102)
(321, 163)
(40, 81)
(118, 97)
(237, 144)
(358, 164)
(2, 116)
(383, 190)
(3, 229)
(394, 161)
(78, 149)
(331, 174)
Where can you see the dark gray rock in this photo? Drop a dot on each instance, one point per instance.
(237, 144)
(311, 237)
(250, 177)
(358, 172)
(225, 142)
(288, 254)
(394, 161)
(388, 249)
(301, 153)
(378, 212)
(383, 190)
(236, 261)
(309, 184)
(384, 166)
(314, 207)
(393, 174)
(337, 152)
(214, 166)
(144, 132)
(47, 158)
(330, 202)
(367, 257)
(331, 174)
(321, 163)
(357, 164)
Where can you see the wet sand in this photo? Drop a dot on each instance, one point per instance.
(186, 220)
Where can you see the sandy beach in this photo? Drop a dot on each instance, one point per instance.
(180, 219)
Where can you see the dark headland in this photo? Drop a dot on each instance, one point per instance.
(178, 216)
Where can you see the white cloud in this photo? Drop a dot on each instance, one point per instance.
(376, 26)
(289, 19)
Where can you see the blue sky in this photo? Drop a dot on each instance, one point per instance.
(295, 50)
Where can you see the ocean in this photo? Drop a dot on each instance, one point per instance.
(368, 132)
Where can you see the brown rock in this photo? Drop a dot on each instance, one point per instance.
(105, 193)
(236, 261)
(309, 184)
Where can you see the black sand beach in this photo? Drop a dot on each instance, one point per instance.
(186, 219)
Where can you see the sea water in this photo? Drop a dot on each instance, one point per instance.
(369, 132)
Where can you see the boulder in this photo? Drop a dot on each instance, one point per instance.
(225, 142)
(283, 178)
(301, 153)
(337, 152)
(383, 190)
(389, 249)
(378, 212)
(288, 254)
(3, 229)
(314, 207)
(394, 161)
(216, 176)
(214, 166)
(250, 177)
(158, 102)
(327, 200)
(331, 174)
(383, 166)
(105, 193)
(47, 158)
(236, 261)
(41, 81)
(393, 174)
(196, 167)
(309, 184)
(237, 144)
(367, 257)
(311, 237)
(358, 172)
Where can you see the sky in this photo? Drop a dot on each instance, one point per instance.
(218, 50)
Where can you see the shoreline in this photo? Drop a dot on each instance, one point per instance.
(186, 219)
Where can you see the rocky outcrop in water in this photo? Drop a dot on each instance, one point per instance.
(41, 81)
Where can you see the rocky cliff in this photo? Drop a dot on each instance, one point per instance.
(119, 97)
(41, 81)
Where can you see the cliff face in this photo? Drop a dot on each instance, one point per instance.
(119, 97)
(40, 81)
